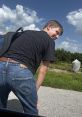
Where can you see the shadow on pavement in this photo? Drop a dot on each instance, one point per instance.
(15, 105)
(14, 109)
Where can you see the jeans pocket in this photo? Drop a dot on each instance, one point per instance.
(18, 73)
(24, 86)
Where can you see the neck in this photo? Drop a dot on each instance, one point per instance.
(45, 30)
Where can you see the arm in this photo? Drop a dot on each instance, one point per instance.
(42, 72)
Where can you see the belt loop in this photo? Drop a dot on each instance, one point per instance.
(7, 62)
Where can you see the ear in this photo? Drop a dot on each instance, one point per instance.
(49, 26)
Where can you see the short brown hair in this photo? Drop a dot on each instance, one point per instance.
(54, 23)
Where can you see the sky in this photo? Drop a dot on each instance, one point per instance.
(33, 15)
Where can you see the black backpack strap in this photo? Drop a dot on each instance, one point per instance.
(8, 38)
(19, 29)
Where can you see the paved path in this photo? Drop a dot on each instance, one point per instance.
(54, 102)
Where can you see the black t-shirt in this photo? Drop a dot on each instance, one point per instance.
(31, 48)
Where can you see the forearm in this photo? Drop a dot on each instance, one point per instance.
(40, 79)
(41, 75)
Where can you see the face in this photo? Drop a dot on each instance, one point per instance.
(54, 33)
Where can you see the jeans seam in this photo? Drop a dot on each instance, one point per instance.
(21, 78)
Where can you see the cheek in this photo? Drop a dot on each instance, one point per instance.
(50, 33)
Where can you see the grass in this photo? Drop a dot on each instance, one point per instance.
(63, 80)
(63, 66)
(70, 81)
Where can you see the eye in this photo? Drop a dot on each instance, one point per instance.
(57, 32)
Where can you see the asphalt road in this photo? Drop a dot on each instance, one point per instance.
(53, 103)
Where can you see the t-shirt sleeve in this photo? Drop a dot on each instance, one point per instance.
(50, 52)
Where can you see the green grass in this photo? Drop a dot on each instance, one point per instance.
(71, 81)
(63, 80)
(63, 66)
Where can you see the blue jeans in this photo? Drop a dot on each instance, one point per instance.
(21, 81)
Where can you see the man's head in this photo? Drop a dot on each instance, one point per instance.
(53, 28)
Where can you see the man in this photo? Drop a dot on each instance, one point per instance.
(19, 64)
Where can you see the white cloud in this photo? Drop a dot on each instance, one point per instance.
(11, 19)
(32, 26)
(75, 18)
(70, 45)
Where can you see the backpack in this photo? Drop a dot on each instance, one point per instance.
(8, 38)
